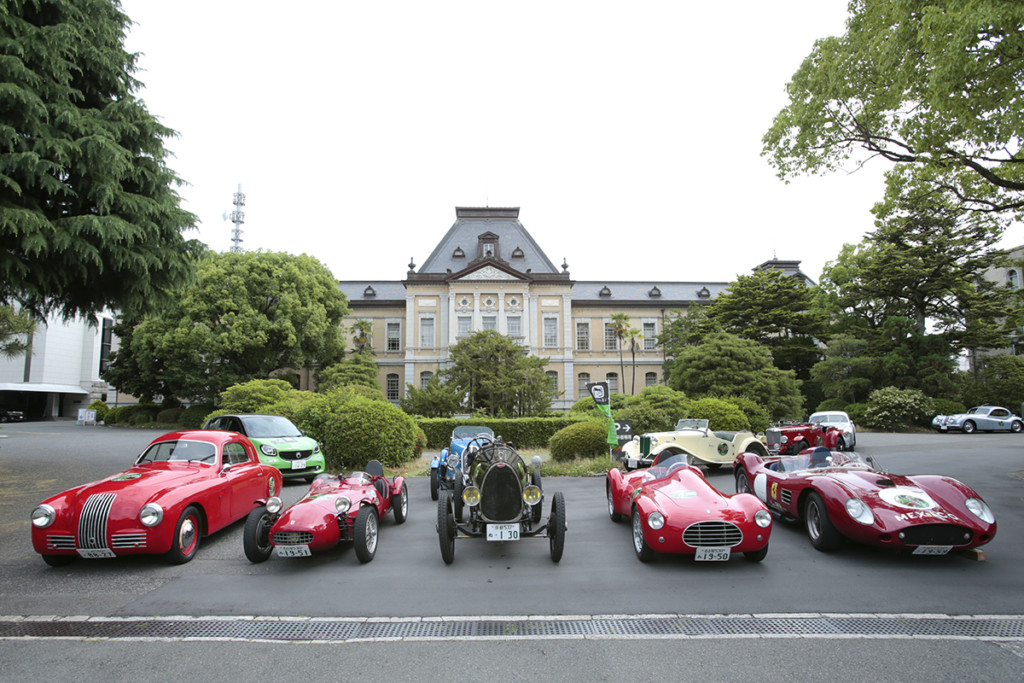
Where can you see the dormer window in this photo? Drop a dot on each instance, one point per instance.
(703, 293)
(605, 292)
(458, 253)
(488, 245)
(654, 293)
(369, 291)
(488, 250)
(518, 253)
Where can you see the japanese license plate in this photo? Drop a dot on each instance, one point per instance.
(298, 464)
(95, 553)
(292, 550)
(712, 554)
(502, 532)
(932, 549)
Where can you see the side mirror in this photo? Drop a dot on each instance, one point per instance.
(225, 469)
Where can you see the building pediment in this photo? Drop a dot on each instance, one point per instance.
(487, 272)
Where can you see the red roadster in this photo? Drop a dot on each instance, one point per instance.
(335, 509)
(675, 510)
(843, 495)
(185, 485)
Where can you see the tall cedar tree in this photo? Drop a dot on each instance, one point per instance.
(88, 215)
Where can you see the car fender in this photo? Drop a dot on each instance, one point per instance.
(752, 441)
(834, 494)
(396, 485)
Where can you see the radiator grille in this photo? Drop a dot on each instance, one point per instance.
(128, 540)
(501, 495)
(714, 534)
(293, 537)
(294, 455)
(92, 524)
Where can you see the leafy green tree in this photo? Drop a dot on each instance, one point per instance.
(247, 315)
(931, 86)
(16, 328)
(359, 368)
(999, 380)
(89, 217)
(726, 365)
(687, 328)
(777, 311)
(437, 399)
(497, 377)
(847, 373)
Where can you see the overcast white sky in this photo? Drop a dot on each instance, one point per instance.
(628, 133)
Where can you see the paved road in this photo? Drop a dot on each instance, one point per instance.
(598, 575)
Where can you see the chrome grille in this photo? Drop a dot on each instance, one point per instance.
(773, 437)
(92, 524)
(716, 534)
(293, 537)
(60, 542)
(128, 540)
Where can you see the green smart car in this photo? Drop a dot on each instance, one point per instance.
(278, 442)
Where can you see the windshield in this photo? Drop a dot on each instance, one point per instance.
(827, 418)
(192, 451)
(819, 458)
(687, 423)
(666, 464)
(468, 432)
(357, 478)
(268, 426)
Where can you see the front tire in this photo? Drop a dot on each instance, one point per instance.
(187, 531)
(365, 533)
(742, 483)
(401, 506)
(256, 538)
(969, 427)
(800, 446)
(840, 444)
(615, 516)
(446, 526)
(58, 560)
(644, 552)
(757, 555)
(433, 483)
(460, 486)
(556, 526)
(820, 530)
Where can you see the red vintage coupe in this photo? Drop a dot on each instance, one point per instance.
(675, 510)
(185, 485)
(841, 495)
(335, 509)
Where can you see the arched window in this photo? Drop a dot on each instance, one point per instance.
(553, 376)
(1013, 279)
(651, 379)
(582, 380)
(613, 381)
(425, 379)
(392, 387)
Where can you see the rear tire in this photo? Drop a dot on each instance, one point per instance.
(433, 483)
(969, 427)
(1016, 426)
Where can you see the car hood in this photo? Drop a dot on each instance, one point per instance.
(682, 489)
(143, 483)
(897, 499)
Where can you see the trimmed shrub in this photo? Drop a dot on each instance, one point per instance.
(137, 414)
(253, 396)
(757, 416)
(893, 409)
(361, 430)
(170, 416)
(857, 412)
(524, 432)
(831, 404)
(942, 406)
(580, 440)
(421, 443)
(101, 409)
(722, 415)
(646, 418)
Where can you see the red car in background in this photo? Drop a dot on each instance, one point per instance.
(842, 495)
(674, 509)
(335, 509)
(184, 486)
(789, 438)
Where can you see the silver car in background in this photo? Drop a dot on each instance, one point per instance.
(839, 420)
(984, 418)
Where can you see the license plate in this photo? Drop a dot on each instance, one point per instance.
(713, 554)
(502, 532)
(298, 464)
(96, 553)
(632, 463)
(932, 549)
(292, 550)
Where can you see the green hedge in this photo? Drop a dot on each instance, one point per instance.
(580, 440)
(137, 414)
(194, 417)
(523, 432)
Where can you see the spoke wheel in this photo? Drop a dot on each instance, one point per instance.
(366, 533)
(742, 483)
(446, 526)
(256, 538)
(643, 551)
(820, 530)
(969, 427)
(401, 505)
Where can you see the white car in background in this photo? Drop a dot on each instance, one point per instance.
(839, 420)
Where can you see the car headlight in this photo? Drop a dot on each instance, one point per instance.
(784, 439)
(267, 449)
(316, 449)
(976, 505)
(471, 496)
(43, 516)
(532, 495)
(655, 520)
(763, 518)
(342, 504)
(151, 514)
(453, 461)
(274, 505)
(860, 512)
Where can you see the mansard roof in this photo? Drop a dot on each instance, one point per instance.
(460, 249)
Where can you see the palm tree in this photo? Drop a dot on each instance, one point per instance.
(620, 327)
(632, 334)
(362, 336)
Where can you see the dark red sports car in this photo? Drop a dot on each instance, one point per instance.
(789, 438)
(335, 509)
(674, 509)
(841, 495)
(185, 485)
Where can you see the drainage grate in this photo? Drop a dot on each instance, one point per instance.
(513, 628)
